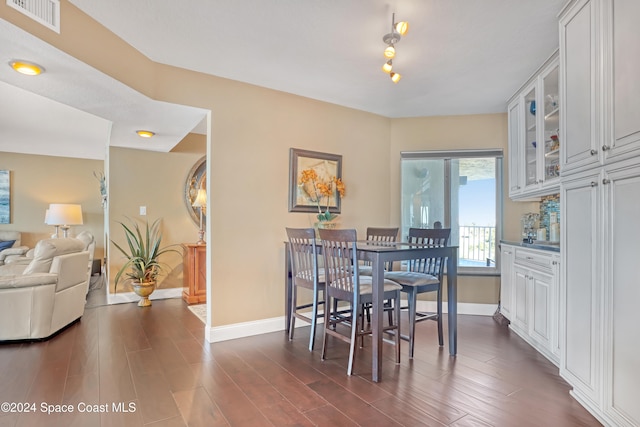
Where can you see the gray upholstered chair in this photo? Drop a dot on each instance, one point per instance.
(10, 245)
(344, 283)
(377, 234)
(306, 274)
(423, 275)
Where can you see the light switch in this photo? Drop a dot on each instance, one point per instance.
(143, 210)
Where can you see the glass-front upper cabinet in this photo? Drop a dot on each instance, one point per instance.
(533, 135)
(551, 125)
(531, 130)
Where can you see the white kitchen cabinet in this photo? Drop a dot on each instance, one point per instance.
(530, 290)
(579, 83)
(600, 184)
(601, 356)
(506, 281)
(515, 135)
(582, 291)
(534, 144)
(622, 293)
(623, 44)
(600, 63)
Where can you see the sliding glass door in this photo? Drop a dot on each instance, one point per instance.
(461, 190)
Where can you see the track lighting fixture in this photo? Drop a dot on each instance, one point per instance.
(398, 29)
(387, 66)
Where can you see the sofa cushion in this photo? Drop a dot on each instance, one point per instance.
(6, 244)
(46, 249)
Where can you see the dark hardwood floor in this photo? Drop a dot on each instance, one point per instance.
(155, 363)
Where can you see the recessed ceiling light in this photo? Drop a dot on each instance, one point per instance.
(145, 133)
(27, 68)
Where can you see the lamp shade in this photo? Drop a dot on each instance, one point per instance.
(390, 52)
(64, 214)
(201, 199)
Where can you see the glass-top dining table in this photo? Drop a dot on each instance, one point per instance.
(379, 254)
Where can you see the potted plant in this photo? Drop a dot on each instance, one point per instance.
(142, 258)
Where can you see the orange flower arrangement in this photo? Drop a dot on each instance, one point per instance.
(317, 189)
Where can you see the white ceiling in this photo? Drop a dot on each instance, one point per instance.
(459, 57)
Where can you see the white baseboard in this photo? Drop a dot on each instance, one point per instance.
(127, 297)
(275, 324)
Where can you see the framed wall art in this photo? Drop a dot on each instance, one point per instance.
(5, 197)
(196, 180)
(310, 173)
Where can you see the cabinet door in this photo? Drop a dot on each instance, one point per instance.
(626, 81)
(531, 141)
(515, 138)
(540, 319)
(520, 298)
(623, 293)
(582, 286)
(578, 78)
(556, 324)
(506, 281)
(550, 105)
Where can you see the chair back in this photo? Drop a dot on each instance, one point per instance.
(340, 264)
(382, 234)
(432, 237)
(303, 252)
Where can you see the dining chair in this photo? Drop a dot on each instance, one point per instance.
(305, 273)
(423, 275)
(377, 234)
(344, 283)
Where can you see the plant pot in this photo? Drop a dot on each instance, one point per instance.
(143, 290)
(327, 225)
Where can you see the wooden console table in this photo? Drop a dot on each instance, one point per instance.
(194, 273)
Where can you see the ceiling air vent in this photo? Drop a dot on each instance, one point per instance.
(46, 12)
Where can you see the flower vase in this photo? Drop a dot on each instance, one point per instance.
(326, 225)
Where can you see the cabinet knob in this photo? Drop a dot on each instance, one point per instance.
(594, 152)
(594, 184)
(606, 181)
(605, 147)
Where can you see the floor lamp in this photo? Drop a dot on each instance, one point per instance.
(201, 203)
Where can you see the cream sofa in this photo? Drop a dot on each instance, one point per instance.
(16, 248)
(42, 297)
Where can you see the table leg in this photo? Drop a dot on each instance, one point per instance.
(376, 324)
(452, 301)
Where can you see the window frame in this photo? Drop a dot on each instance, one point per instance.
(447, 156)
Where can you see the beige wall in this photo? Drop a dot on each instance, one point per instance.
(37, 181)
(252, 130)
(157, 181)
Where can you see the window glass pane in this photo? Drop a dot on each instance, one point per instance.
(473, 208)
(423, 194)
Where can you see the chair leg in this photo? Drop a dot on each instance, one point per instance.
(314, 320)
(396, 311)
(327, 324)
(292, 322)
(355, 326)
(412, 296)
(439, 309)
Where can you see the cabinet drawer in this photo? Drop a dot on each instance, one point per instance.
(536, 259)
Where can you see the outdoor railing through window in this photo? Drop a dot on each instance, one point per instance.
(477, 245)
